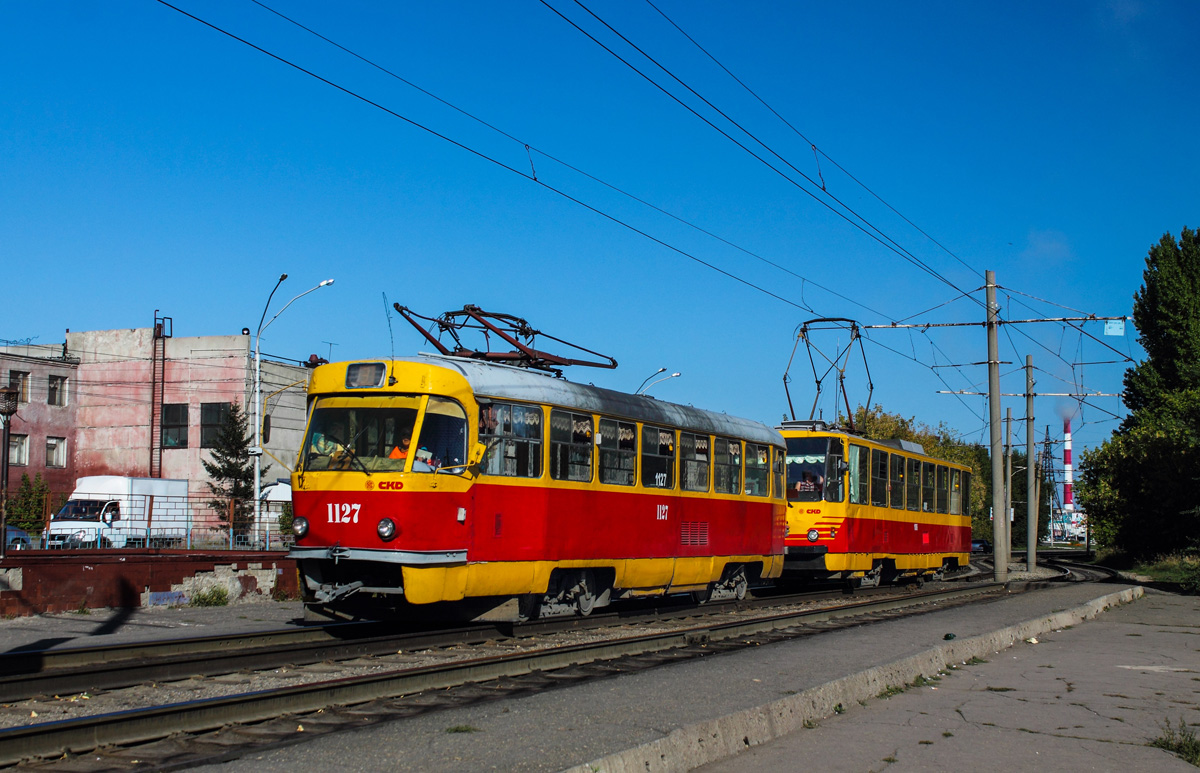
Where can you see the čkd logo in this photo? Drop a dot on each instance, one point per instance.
(390, 485)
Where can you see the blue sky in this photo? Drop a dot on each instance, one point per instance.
(148, 162)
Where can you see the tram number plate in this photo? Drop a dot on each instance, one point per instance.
(342, 513)
(662, 512)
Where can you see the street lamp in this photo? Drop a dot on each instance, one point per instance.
(8, 407)
(664, 378)
(652, 375)
(257, 451)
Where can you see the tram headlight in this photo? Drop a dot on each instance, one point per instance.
(813, 535)
(300, 526)
(386, 529)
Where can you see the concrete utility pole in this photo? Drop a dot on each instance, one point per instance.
(1000, 555)
(1031, 494)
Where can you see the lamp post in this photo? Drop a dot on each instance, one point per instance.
(652, 375)
(8, 407)
(664, 378)
(257, 451)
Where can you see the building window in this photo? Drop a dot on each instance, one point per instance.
(56, 452)
(56, 390)
(212, 416)
(570, 446)
(18, 450)
(658, 457)
(175, 425)
(618, 451)
(19, 380)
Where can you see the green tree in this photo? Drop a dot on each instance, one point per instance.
(26, 509)
(1138, 488)
(232, 474)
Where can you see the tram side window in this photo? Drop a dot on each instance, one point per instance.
(955, 493)
(879, 477)
(897, 482)
(727, 466)
(966, 493)
(834, 474)
(513, 436)
(927, 487)
(693, 461)
(943, 488)
(658, 457)
(777, 470)
(758, 470)
(618, 451)
(912, 485)
(860, 474)
(570, 446)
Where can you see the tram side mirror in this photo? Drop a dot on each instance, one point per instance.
(266, 429)
(842, 467)
(477, 453)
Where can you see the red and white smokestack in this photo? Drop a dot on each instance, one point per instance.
(1068, 469)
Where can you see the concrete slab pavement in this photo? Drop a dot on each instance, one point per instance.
(1086, 698)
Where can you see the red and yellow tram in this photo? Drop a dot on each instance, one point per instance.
(444, 479)
(868, 510)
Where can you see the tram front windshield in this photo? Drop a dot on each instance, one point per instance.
(806, 471)
(376, 434)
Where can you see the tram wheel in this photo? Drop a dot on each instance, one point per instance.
(585, 593)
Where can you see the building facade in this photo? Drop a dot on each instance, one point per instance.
(142, 403)
(42, 432)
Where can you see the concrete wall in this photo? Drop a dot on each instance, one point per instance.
(66, 581)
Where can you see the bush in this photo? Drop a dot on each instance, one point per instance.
(216, 596)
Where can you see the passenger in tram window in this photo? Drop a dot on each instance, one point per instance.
(400, 451)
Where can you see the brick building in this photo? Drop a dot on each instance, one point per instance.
(42, 435)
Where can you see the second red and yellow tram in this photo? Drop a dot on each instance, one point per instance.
(868, 511)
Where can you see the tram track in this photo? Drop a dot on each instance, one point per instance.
(30, 673)
(212, 726)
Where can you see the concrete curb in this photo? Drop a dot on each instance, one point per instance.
(690, 747)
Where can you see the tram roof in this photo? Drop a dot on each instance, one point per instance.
(507, 382)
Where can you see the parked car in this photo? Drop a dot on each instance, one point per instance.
(981, 546)
(17, 539)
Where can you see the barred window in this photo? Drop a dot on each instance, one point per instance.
(658, 457)
(175, 425)
(694, 461)
(618, 451)
(879, 478)
(758, 470)
(897, 482)
(513, 436)
(570, 446)
(727, 466)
